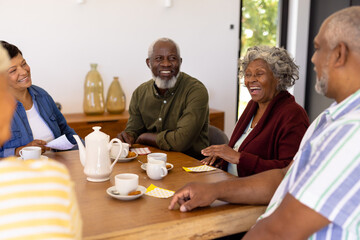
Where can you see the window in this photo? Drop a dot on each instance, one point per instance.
(263, 22)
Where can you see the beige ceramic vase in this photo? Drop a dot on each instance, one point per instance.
(115, 100)
(93, 92)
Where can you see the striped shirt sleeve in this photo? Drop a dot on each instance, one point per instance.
(330, 182)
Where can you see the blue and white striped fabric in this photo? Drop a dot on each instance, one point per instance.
(325, 175)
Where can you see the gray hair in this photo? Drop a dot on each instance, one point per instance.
(279, 61)
(343, 26)
(151, 47)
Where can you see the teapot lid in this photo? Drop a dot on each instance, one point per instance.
(97, 134)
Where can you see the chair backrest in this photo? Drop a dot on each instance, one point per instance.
(58, 105)
(217, 136)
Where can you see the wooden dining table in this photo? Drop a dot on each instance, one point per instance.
(148, 217)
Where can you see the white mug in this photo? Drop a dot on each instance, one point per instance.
(30, 153)
(157, 156)
(126, 183)
(156, 169)
(115, 148)
(152, 160)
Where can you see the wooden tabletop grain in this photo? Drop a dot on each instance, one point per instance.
(147, 217)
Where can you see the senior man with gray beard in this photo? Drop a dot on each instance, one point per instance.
(171, 110)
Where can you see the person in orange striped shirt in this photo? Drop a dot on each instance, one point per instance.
(37, 198)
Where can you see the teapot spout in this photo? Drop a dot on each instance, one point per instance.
(81, 149)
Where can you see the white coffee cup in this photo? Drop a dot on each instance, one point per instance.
(30, 153)
(152, 160)
(157, 156)
(156, 169)
(126, 183)
(115, 148)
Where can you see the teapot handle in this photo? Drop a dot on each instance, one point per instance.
(120, 151)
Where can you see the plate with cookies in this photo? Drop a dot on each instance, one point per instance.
(129, 157)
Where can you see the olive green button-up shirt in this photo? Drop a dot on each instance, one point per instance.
(180, 118)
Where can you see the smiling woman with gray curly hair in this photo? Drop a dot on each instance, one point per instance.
(279, 61)
(270, 129)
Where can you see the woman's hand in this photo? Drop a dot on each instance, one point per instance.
(36, 143)
(209, 160)
(221, 151)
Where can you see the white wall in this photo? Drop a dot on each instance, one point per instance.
(60, 38)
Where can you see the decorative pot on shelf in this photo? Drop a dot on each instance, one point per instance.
(115, 100)
(93, 92)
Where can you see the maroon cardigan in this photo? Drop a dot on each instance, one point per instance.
(274, 140)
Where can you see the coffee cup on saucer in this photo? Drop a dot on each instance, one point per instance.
(115, 148)
(157, 156)
(156, 169)
(31, 152)
(126, 183)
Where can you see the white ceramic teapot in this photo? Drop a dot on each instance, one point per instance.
(96, 156)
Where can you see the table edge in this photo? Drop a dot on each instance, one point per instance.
(217, 225)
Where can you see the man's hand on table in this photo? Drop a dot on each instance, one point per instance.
(148, 139)
(194, 195)
(125, 137)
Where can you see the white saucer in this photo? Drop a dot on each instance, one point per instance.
(111, 190)
(126, 159)
(143, 166)
(42, 157)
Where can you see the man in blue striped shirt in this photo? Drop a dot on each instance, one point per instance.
(319, 195)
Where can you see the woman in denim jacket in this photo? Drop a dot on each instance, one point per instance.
(37, 120)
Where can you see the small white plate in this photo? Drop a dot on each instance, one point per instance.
(42, 157)
(112, 189)
(169, 166)
(127, 159)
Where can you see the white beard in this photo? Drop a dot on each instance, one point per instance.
(165, 84)
(321, 85)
